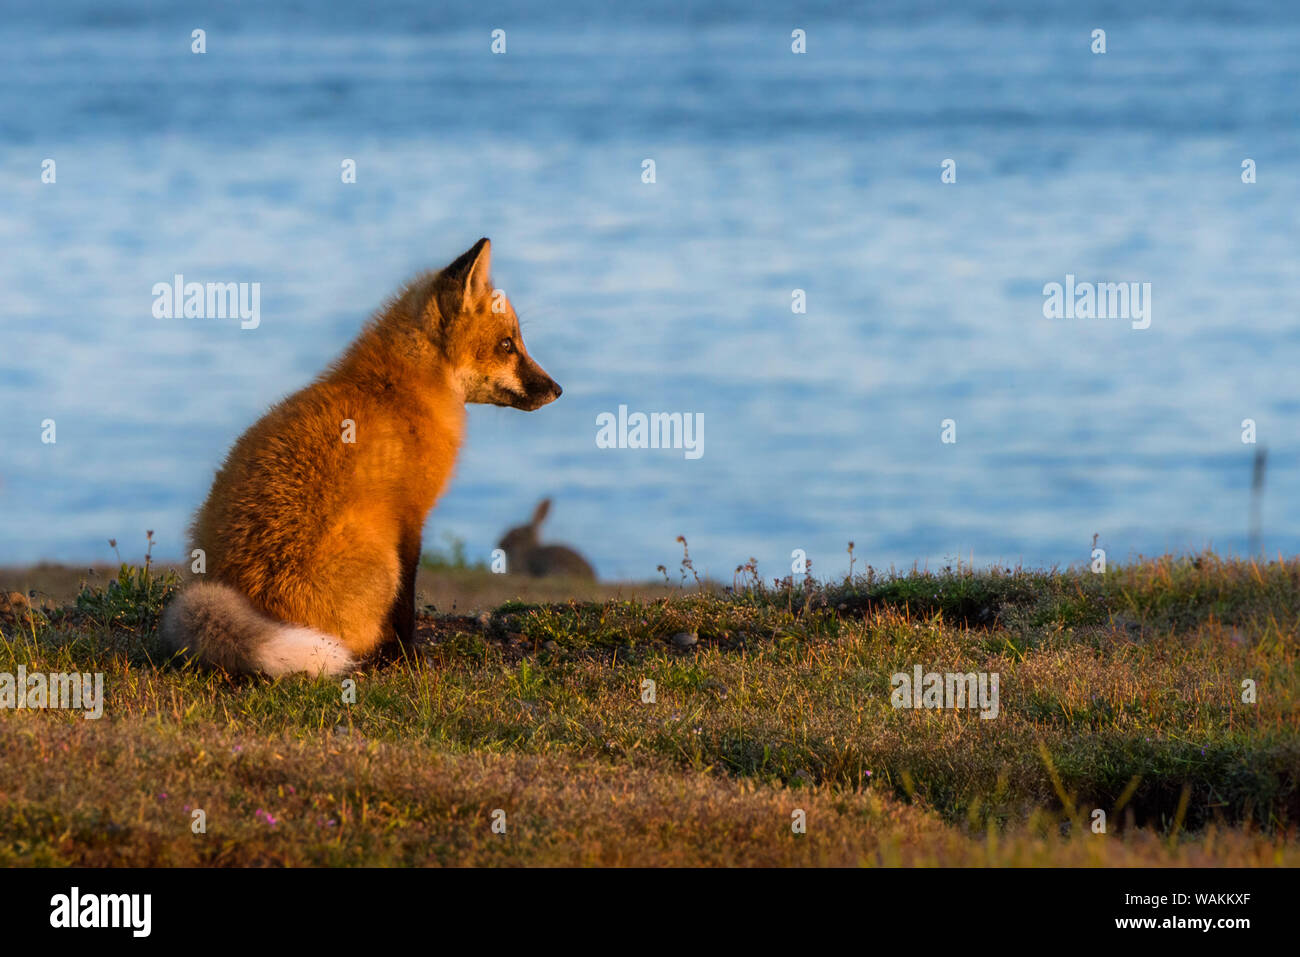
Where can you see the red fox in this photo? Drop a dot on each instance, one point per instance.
(311, 532)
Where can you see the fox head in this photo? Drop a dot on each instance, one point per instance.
(481, 339)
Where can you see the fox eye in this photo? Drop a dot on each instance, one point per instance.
(507, 345)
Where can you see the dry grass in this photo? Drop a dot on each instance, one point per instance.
(1119, 691)
(342, 799)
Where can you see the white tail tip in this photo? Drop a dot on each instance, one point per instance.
(293, 648)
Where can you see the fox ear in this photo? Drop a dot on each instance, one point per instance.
(543, 508)
(471, 270)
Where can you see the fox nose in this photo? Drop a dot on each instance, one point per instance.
(555, 387)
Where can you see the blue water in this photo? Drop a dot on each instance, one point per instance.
(775, 171)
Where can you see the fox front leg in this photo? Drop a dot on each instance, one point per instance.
(402, 617)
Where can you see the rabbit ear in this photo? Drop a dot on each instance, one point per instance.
(543, 508)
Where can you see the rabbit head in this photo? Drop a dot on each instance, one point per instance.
(521, 540)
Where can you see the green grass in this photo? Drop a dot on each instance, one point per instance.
(1119, 691)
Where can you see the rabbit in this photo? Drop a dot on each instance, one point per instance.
(526, 556)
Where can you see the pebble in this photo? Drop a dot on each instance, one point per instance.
(685, 639)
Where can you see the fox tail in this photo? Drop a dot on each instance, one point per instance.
(219, 626)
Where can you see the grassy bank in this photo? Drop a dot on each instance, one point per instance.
(1120, 691)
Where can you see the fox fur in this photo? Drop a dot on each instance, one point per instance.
(311, 541)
